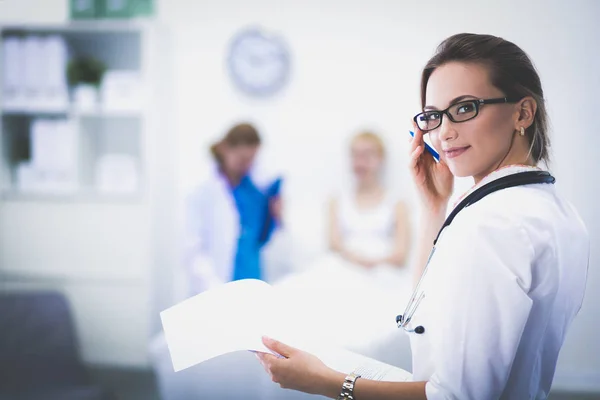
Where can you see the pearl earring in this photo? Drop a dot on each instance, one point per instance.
(522, 131)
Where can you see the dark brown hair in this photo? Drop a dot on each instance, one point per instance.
(511, 71)
(240, 135)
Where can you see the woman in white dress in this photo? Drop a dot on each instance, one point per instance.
(369, 239)
(368, 226)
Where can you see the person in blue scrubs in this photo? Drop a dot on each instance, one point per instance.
(256, 226)
(232, 216)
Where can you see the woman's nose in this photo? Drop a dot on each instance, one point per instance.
(447, 131)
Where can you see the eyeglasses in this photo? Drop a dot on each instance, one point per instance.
(459, 112)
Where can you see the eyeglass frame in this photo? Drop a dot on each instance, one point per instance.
(478, 103)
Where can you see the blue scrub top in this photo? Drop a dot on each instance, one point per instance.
(256, 227)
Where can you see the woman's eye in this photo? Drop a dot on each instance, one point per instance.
(465, 108)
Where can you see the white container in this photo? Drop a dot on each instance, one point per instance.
(14, 95)
(122, 91)
(85, 98)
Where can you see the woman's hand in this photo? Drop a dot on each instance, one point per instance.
(276, 209)
(353, 258)
(368, 263)
(298, 370)
(434, 181)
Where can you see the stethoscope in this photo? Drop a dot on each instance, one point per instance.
(518, 179)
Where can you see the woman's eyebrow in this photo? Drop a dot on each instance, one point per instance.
(453, 101)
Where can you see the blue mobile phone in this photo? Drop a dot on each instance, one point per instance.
(430, 149)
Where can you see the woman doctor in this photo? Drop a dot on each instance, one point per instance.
(231, 215)
(508, 275)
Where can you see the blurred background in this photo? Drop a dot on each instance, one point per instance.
(109, 108)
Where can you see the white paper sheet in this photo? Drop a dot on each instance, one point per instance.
(346, 361)
(229, 318)
(235, 316)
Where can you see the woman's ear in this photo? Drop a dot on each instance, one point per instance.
(526, 109)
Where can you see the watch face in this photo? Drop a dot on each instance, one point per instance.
(258, 63)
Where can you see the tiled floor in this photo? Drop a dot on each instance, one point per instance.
(140, 385)
(127, 384)
(574, 396)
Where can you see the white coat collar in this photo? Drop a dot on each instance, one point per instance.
(497, 174)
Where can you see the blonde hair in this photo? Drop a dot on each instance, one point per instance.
(371, 137)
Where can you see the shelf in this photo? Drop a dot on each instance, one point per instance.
(76, 114)
(40, 113)
(118, 48)
(91, 26)
(108, 114)
(81, 196)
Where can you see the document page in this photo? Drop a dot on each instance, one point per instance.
(235, 316)
(229, 318)
(347, 361)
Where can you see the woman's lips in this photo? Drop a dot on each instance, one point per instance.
(455, 151)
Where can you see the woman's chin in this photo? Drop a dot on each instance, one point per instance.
(459, 170)
(364, 178)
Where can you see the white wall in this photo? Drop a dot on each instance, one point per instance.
(18, 11)
(356, 64)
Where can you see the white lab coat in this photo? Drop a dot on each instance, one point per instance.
(212, 229)
(505, 282)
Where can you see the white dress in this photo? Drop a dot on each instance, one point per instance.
(367, 232)
(374, 295)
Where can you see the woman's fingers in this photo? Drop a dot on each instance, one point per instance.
(418, 133)
(267, 361)
(260, 359)
(415, 156)
(416, 140)
(278, 347)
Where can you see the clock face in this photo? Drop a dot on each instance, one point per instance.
(259, 63)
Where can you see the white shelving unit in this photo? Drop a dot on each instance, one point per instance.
(98, 248)
(100, 131)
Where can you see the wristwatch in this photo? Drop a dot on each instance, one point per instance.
(348, 387)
